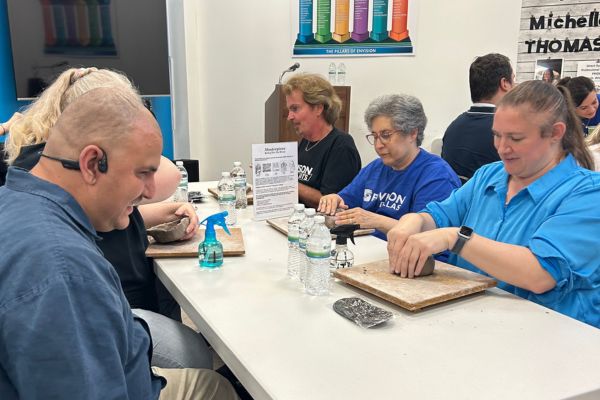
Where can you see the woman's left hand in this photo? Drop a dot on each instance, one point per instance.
(366, 219)
(187, 210)
(419, 246)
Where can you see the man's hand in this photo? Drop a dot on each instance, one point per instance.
(357, 215)
(328, 204)
(187, 210)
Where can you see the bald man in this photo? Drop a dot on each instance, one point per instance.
(66, 329)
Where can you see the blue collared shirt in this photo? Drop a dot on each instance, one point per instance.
(66, 329)
(557, 217)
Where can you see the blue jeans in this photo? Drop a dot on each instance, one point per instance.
(174, 344)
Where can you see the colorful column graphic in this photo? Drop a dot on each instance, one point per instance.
(323, 21)
(83, 36)
(49, 38)
(94, 20)
(399, 20)
(105, 23)
(380, 16)
(306, 21)
(71, 22)
(342, 21)
(60, 27)
(361, 20)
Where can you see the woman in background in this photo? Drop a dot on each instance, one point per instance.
(585, 99)
(548, 76)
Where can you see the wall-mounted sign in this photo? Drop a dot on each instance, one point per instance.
(591, 70)
(557, 29)
(342, 28)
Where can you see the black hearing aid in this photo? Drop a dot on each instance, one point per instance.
(74, 164)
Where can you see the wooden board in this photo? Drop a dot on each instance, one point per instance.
(249, 195)
(232, 245)
(446, 283)
(281, 225)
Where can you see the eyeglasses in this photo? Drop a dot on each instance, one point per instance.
(383, 136)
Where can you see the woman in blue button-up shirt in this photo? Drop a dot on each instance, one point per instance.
(534, 215)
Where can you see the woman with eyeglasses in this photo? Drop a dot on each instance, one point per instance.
(586, 100)
(403, 179)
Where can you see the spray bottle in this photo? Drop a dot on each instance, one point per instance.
(210, 251)
(341, 257)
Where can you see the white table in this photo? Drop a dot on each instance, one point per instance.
(284, 344)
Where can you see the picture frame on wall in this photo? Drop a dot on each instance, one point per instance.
(549, 70)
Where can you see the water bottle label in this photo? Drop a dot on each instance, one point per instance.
(183, 183)
(316, 251)
(293, 233)
(302, 242)
(226, 196)
(240, 182)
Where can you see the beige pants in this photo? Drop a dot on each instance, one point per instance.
(195, 384)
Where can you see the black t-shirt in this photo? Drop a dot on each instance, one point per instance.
(124, 249)
(468, 143)
(328, 166)
(3, 166)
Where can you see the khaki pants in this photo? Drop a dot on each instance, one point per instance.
(195, 384)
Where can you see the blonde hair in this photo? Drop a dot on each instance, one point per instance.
(41, 115)
(316, 90)
(594, 137)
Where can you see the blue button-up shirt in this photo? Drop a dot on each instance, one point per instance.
(557, 217)
(66, 329)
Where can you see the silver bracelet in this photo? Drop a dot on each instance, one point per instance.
(3, 129)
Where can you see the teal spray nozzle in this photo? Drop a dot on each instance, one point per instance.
(344, 232)
(210, 251)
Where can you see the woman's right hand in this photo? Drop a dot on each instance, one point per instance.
(328, 204)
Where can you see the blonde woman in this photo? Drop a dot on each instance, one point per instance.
(593, 142)
(175, 345)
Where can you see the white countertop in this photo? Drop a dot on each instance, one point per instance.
(284, 344)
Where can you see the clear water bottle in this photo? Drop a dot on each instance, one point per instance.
(239, 179)
(305, 227)
(293, 239)
(332, 73)
(181, 194)
(318, 251)
(226, 192)
(341, 75)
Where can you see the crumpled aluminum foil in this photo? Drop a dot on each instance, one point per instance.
(361, 312)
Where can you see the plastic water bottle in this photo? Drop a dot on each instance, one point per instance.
(341, 75)
(293, 239)
(305, 227)
(332, 72)
(226, 192)
(318, 251)
(239, 179)
(181, 194)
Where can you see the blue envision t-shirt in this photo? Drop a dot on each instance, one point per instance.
(66, 329)
(556, 217)
(382, 190)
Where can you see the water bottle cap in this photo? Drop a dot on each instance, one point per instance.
(225, 174)
(179, 163)
(319, 219)
(310, 211)
(298, 207)
(237, 164)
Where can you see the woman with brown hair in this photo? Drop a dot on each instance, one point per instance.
(530, 221)
(585, 99)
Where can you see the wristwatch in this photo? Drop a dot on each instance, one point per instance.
(464, 234)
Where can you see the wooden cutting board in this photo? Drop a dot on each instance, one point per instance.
(446, 283)
(232, 245)
(249, 195)
(281, 225)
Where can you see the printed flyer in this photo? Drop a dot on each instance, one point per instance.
(275, 173)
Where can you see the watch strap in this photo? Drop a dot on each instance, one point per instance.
(460, 242)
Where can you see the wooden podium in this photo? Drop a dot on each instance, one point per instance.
(279, 129)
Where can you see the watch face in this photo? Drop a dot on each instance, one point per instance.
(465, 231)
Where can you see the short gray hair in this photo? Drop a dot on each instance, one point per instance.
(405, 111)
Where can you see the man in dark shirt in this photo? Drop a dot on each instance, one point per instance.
(327, 157)
(468, 142)
(66, 329)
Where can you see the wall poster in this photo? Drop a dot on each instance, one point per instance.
(557, 34)
(329, 28)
